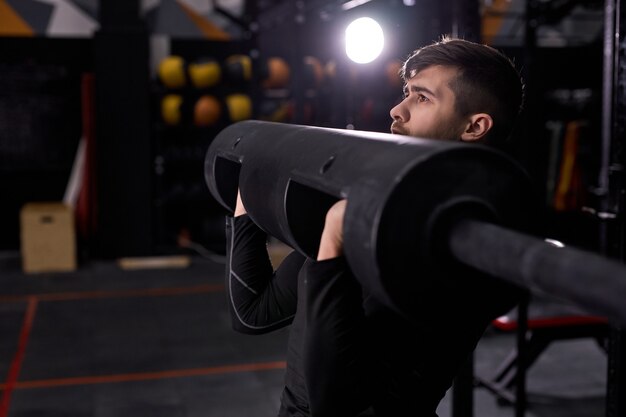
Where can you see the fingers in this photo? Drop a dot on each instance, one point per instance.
(336, 212)
(240, 210)
(331, 243)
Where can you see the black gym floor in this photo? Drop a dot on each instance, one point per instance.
(103, 342)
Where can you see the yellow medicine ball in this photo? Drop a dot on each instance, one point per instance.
(172, 71)
(239, 68)
(205, 74)
(207, 111)
(170, 109)
(275, 111)
(239, 107)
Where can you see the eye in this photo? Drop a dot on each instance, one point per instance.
(421, 98)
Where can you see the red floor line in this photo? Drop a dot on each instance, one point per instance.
(147, 376)
(16, 363)
(141, 292)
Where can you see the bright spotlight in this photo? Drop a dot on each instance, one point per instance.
(364, 40)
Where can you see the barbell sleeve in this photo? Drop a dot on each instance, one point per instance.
(587, 279)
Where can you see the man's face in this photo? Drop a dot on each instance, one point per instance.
(427, 110)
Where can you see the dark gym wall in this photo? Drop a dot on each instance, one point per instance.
(124, 148)
(40, 111)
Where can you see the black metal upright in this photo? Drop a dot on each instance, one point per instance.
(123, 144)
(611, 184)
(465, 23)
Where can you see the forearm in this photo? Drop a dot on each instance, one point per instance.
(260, 299)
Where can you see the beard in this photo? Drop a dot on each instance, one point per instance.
(443, 131)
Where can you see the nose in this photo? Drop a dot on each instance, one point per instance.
(398, 113)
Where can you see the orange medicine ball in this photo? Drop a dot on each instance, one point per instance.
(392, 70)
(207, 111)
(313, 71)
(277, 73)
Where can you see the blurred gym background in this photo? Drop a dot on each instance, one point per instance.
(107, 109)
(147, 84)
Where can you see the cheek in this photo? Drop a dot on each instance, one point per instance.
(427, 123)
(423, 122)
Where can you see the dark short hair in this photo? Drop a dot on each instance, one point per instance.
(487, 82)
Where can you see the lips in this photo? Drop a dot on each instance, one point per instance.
(395, 129)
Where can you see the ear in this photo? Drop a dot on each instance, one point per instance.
(477, 127)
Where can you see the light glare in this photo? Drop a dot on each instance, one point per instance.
(364, 40)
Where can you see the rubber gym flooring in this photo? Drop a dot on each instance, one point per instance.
(103, 341)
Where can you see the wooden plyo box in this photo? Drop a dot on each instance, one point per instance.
(48, 238)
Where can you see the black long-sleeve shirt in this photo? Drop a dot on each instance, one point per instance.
(348, 354)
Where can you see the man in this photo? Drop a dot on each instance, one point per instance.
(349, 355)
(454, 90)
